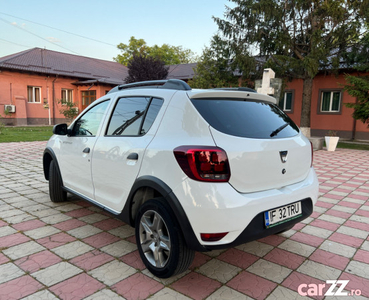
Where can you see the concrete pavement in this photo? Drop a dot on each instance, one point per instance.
(74, 250)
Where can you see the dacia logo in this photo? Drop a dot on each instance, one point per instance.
(283, 155)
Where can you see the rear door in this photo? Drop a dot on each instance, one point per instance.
(263, 145)
(118, 153)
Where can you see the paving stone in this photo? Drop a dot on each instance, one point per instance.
(255, 248)
(196, 286)
(56, 273)
(9, 271)
(252, 285)
(137, 286)
(269, 270)
(19, 288)
(297, 248)
(90, 219)
(120, 248)
(39, 233)
(84, 231)
(103, 295)
(6, 230)
(337, 248)
(353, 232)
(112, 272)
(358, 268)
(319, 271)
(286, 294)
(72, 249)
(219, 270)
(316, 231)
(22, 250)
(54, 219)
(77, 287)
(44, 295)
(169, 294)
(122, 231)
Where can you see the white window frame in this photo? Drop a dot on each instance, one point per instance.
(33, 94)
(67, 96)
(330, 101)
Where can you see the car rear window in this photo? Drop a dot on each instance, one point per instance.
(246, 118)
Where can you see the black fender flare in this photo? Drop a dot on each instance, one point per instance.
(172, 201)
(47, 157)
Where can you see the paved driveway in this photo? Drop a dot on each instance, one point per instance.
(74, 250)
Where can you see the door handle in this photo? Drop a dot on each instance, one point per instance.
(86, 150)
(133, 156)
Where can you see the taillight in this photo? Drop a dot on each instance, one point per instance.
(203, 163)
(312, 154)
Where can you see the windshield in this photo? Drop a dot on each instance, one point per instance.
(246, 118)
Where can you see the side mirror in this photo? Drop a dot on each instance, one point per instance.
(61, 129)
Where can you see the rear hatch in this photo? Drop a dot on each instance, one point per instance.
(264, 147)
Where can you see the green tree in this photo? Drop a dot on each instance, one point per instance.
(214, 68)
(171, 55)
(358, 86)
(142, 67)
(298, 38)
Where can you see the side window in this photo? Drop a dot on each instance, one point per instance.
(89, 123)
(152, 112)
(133, 117)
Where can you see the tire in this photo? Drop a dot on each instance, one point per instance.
(56, 192)
(160, 241)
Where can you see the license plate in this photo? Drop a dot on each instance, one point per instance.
(282, 214)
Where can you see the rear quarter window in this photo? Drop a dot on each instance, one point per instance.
(246, 118)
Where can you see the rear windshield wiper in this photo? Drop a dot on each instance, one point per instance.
(279, 129)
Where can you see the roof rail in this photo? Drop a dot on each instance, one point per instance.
(170, 84)
(243, 89)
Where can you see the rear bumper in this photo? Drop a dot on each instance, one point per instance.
(256, 229)
(215, 208)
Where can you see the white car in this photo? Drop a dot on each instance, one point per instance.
(191, 170)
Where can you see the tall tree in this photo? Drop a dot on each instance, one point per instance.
(142, 68)
(213, 68)
(171, 55)
(358, 84)
(298, 37)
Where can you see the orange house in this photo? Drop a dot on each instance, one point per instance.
(328, 110)
(33, 83)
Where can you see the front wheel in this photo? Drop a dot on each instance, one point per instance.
(56, 192)
(160, 241)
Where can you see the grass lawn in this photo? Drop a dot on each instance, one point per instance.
(25, 134)
(361, 146)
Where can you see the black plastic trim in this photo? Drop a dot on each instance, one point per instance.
(155, 183)
(46, 162)
(256, 228)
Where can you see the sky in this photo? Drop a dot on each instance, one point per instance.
(94, 28)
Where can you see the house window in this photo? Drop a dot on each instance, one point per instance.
(88, 97)
(34, 94)
(66, 96)
(286, 104)
(330, 101)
